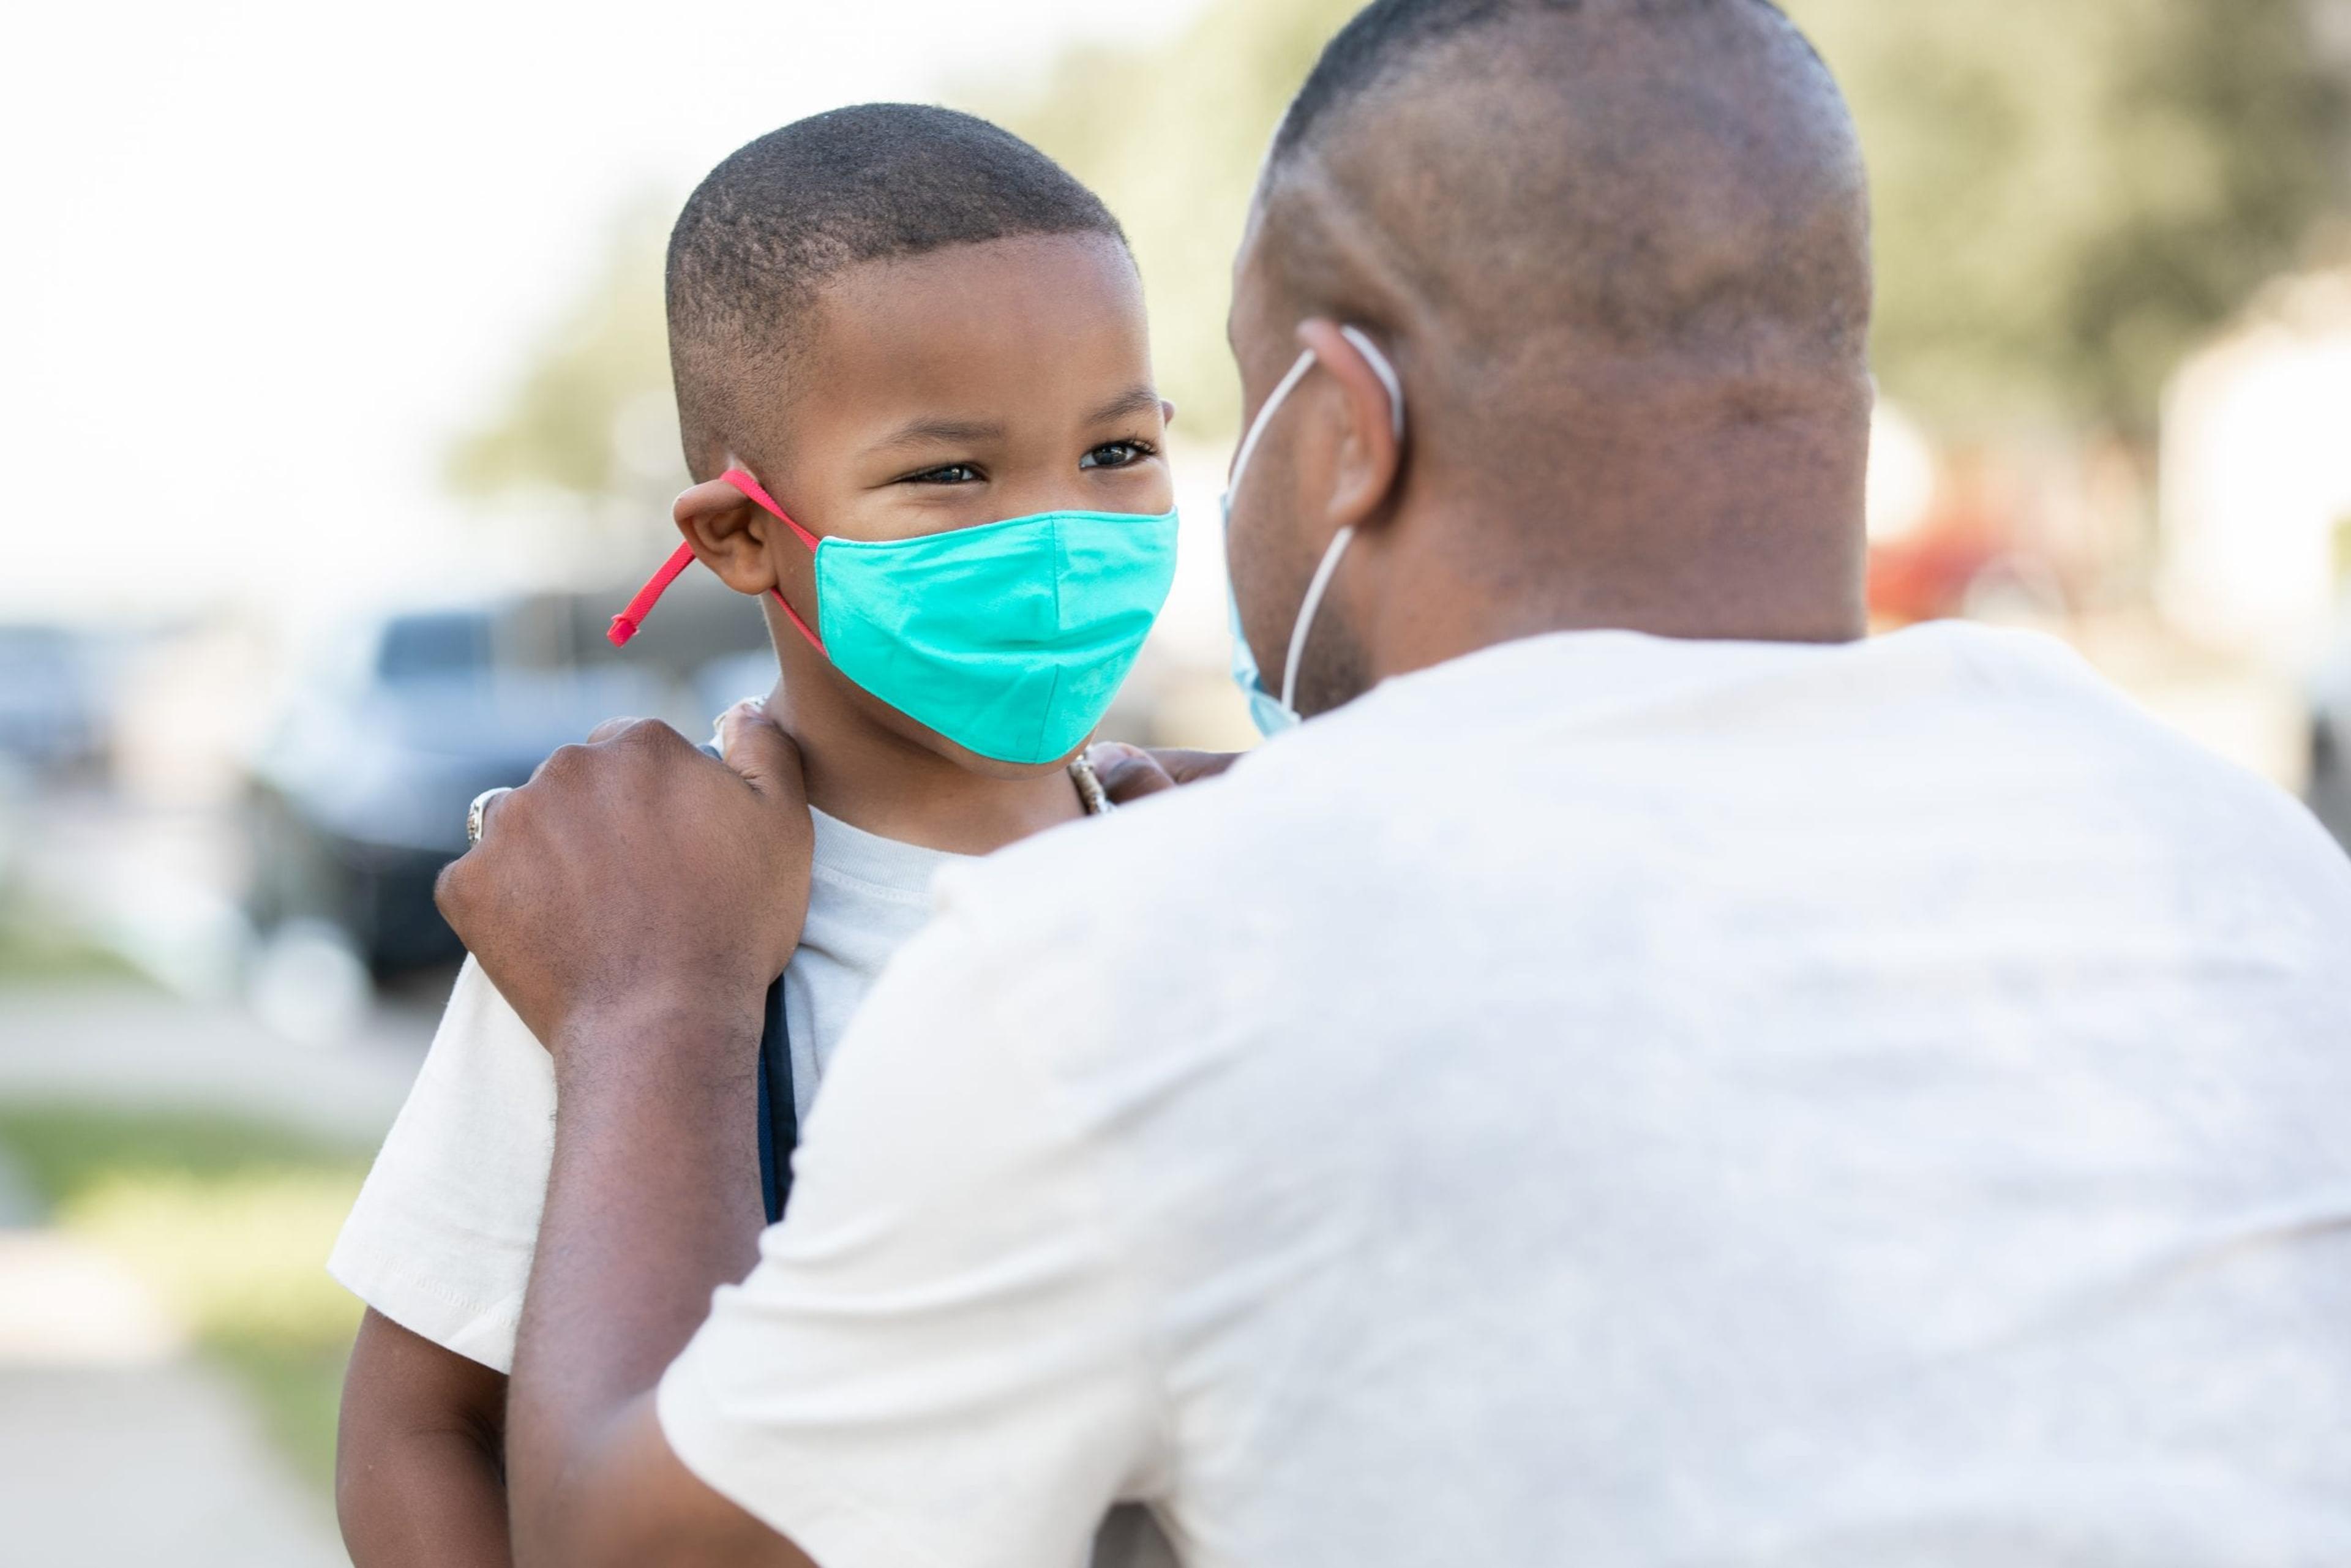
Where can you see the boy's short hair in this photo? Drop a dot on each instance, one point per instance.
(788, 211)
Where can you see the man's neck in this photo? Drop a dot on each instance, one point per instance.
(1418, 640)
(1713, 554)
(861, 773)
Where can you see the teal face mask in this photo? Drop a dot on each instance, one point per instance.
(1010, 638)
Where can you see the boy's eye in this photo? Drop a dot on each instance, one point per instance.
(947, 474)
(1116, 454)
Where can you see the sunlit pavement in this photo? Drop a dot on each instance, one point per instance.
(128, 1468)
(116, 1449)
(152, 1050)
(119, 1448)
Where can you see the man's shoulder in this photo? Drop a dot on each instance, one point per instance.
(1602, 750)
(2081, 710)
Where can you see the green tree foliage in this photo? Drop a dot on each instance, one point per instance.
(591, 414)
(2068, 196)
(1172, 140)
(2069, 193)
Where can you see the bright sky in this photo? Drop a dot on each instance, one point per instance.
(265, 258)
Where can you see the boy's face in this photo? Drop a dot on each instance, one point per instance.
(970, 385)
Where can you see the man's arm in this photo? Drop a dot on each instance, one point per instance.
(418, 1474)
(634, 902)
(945, 1355)
(651, 1206)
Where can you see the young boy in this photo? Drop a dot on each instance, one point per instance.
(914, 381)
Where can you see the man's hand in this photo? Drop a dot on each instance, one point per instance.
(1129, 772)
(634, 876)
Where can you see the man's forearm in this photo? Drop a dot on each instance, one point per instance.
(653, 1202)
(632, 903)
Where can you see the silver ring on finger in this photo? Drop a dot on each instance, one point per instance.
(481, 805)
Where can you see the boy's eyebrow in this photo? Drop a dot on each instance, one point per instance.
(941, 433)
(1138, 399)
(1134, 400)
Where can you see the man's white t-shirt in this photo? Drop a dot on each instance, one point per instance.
(441, 1238)
(1602, 1099)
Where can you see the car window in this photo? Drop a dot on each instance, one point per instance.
(435, 646)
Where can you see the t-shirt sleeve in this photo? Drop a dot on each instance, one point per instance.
(941, 1356)
(441, 1238)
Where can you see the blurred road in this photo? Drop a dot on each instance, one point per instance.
(152, 1050)
(116, 1449)
(119, 1448)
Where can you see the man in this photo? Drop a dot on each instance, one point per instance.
(1643, 1076)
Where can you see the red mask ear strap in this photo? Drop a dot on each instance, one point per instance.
(626, 624)
(794, 616)
(750, 486)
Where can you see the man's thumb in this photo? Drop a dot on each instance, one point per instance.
(755, 746)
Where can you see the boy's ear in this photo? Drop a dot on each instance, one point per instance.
(729, 534)
(1166, 412)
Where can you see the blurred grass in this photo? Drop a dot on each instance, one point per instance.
(229, 1221)
(38, 947)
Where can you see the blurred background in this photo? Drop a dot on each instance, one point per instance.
(335, 423)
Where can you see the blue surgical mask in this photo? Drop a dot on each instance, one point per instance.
(1272, 714)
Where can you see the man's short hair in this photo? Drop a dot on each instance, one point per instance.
(789, 211)
(1384, 38)
(1672, 181)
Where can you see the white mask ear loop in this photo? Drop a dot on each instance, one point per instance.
(1281, 390)
(1306, 609)
(1344, 536)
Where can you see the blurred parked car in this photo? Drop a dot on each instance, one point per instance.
(51, 708)
(359, 797)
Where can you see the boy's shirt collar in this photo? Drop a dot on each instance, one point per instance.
(843, 853)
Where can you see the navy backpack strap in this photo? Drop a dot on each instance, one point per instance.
(779, 1117)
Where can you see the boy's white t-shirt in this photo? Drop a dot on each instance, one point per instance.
(440, 1240)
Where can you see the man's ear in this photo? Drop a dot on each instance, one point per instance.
(729, 534)
(1368, 458)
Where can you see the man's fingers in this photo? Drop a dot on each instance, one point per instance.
(460, 882)
(1128, 773)
(756, 748)
(612, 729)
(1191, 767)
(449, 891)
(455, 889)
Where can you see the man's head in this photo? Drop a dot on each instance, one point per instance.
(1618, 252)
(900, 320)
